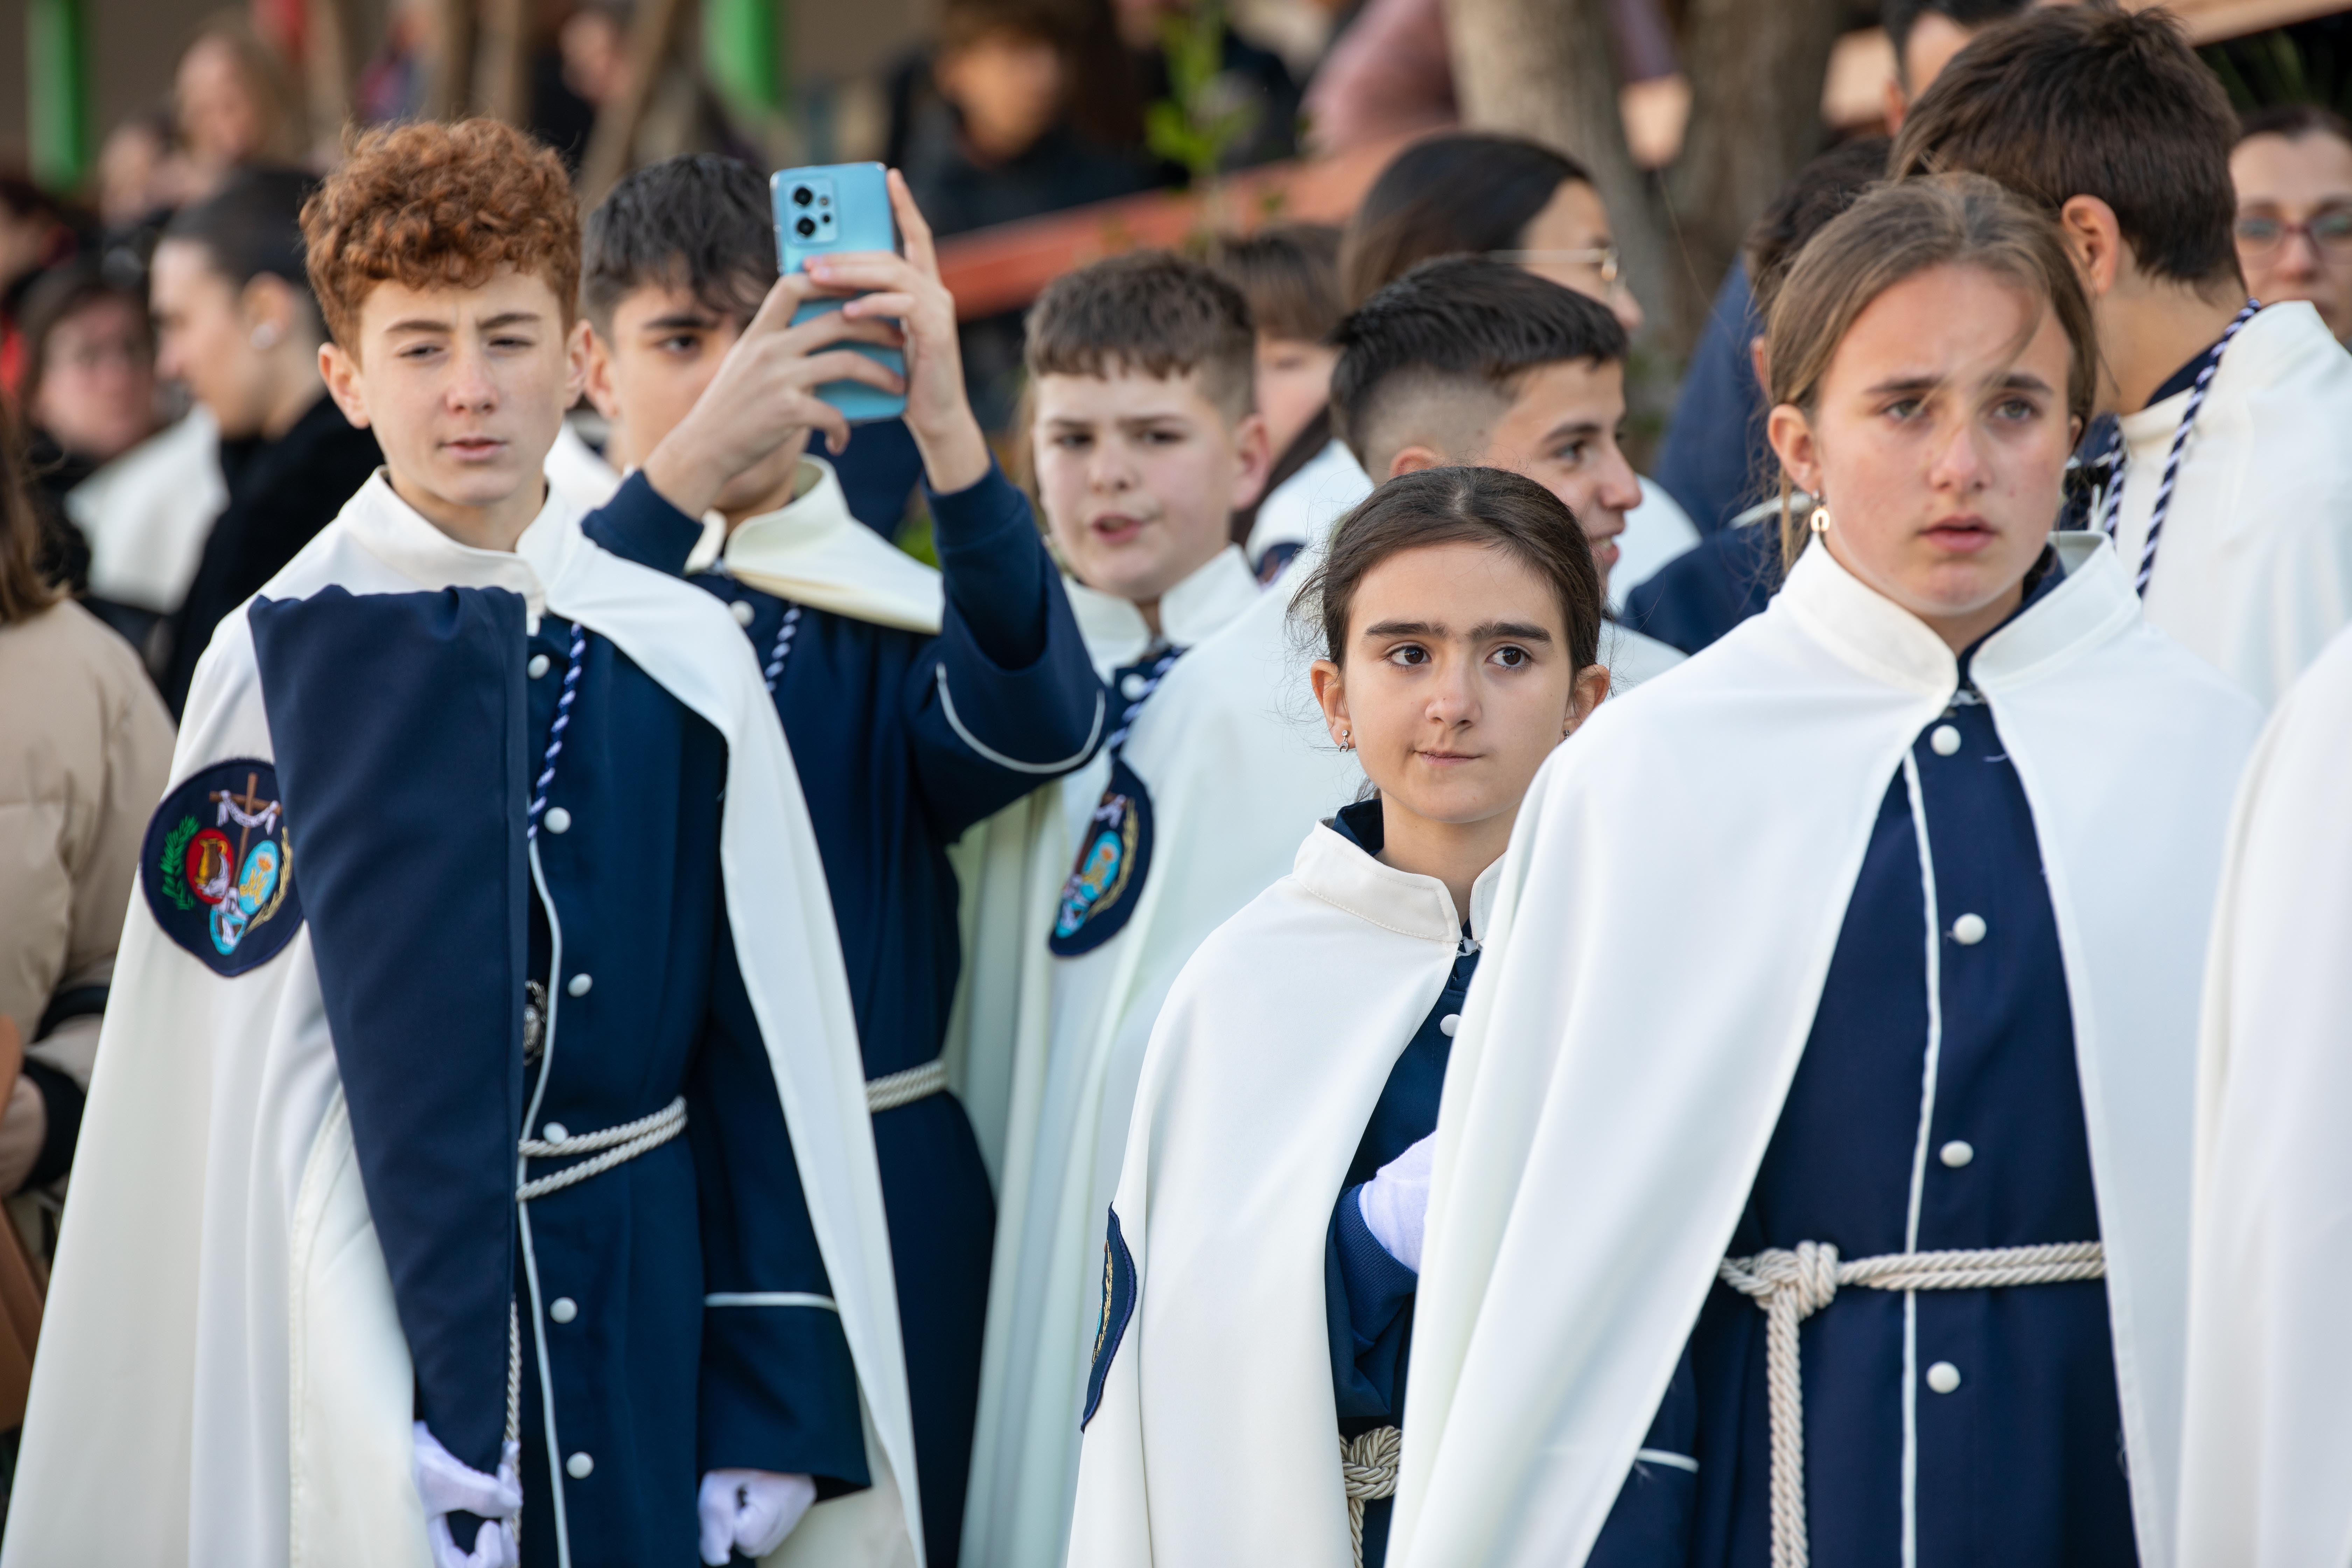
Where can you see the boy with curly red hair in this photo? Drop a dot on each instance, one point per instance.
(492, 1181)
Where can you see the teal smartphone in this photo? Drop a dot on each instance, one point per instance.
(836, 208)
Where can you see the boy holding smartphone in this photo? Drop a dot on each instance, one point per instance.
(489, 1179)
(917, 702)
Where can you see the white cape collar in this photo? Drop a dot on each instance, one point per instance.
(1202, 604)
(813, 551)
(1338, 870)
(400, 536)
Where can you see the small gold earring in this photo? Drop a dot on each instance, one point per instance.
(1820, 519)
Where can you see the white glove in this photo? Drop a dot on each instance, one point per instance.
(446, 1486)
(750, 1511)
(1395, 1203)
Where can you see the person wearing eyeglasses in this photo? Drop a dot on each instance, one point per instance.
(2293, 171)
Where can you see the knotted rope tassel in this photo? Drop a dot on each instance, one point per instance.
(1791, 1286)
(1367, 1468)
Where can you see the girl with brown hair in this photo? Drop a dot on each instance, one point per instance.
(1260, 1263)
(1932, 843)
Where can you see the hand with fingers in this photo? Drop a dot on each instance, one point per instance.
(446, 1485)
(905, 290)
(765, 394)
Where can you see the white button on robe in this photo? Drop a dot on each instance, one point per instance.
(1969, 930)
(537, 666)
(579, 985)
(563, 1309)
(578, 1466)
(557, 820)
(743, 611)
(1957, 1152)
(1944, 739)
(1448, 1025)
(1943, 1377)
(555, 1132)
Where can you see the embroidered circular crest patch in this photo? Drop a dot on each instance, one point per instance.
(218, 870)
(1112, 862)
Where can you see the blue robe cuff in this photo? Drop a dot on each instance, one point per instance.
(1366, 1292)
(639, 525)
(779, 1393)
(999, 581)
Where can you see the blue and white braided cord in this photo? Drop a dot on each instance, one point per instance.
(784, 649)
(2163, 508)
(555, 731)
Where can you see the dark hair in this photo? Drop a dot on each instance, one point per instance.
(1462, 322)
(963, 22)
(61, 292)
(2088, 101)
(1290, 276)
(1898, 16)
(252, 226)
(24, 591)
(700, 222)
(1895, 233)
(2295, 121)
(1465, 191)
(1149, 310)
(1823, 189)
(1490, 507)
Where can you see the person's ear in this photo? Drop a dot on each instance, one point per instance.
(267, 307)
(1331, 696)
(341, 372)
(2096, 240)
(1793, 442)
(575, 361)
(602, 395)
(1413, 460)
(1591, 689)
(1252, 461)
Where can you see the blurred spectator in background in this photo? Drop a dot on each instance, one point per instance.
(1390, 74)
(237, 324)
(1735, 569)
(234, 104)
(682, 115)
(37, 232)
(992, 140)
(85, 749)
(1290, 276)
(1927, 34)
(139, 172)
(88, 396)
(2293, 171)
(1469, 193)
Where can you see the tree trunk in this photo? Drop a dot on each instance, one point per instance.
(1756, 70)
(1547, 69)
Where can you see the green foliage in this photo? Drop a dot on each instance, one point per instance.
(1194, 126)
(2310, 62)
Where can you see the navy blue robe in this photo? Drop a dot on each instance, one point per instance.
(891, 782)
(674, 1303)
(2022, 1464)
(1368, 1295)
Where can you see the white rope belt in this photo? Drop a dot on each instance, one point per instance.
(1792, 1286)
(614, 1146)
(1367, 1468)
(892, 1090)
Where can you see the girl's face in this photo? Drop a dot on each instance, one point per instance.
(1938, 443)
(1457, 682)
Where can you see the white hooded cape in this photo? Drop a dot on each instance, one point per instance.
(223, 1382)
(2254, 569)
(1217, 1443)
(2268, 1447)
(1239, 766)
(1603, 1123)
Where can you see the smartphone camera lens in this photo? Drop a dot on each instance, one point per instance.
(802, 195)
(805, 228)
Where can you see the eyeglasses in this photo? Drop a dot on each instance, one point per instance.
(1602, 259)
(2330, 231)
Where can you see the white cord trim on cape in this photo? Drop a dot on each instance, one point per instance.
(1013, 764)
(894, 1089)
(1791, 1286)
(614, 1146)
(1367, 1469)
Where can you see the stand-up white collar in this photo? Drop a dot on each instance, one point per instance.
(1202, 604)
(813, 550)
(400, 536)
(1336, 869)
(1880, 638)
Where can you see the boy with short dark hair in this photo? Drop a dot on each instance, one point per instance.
(2242, 537)
(1469, 360)
(917, 702)
(1145, 442)
(496, 1183)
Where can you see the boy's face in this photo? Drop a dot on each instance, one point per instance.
(465, 389)
(665, 346)
(1561, 432)
(1140, 476)
(1294, 383)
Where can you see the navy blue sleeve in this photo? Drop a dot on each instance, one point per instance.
(1715, 457)
(1709, 588)
(779, 1391)
(1009, 699)
(878, 473)
(1366, 1294)
(637, 524)
(398, 722)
